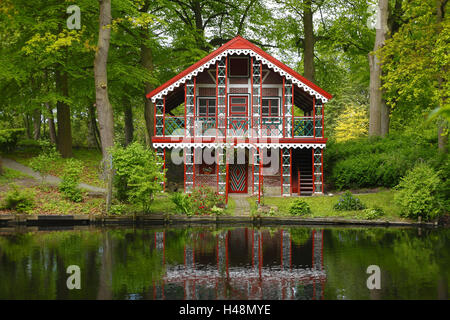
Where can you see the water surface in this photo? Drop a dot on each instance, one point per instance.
(225, 263)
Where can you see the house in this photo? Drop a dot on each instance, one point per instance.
(249, 124)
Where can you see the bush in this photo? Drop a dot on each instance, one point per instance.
(348, 202)
(372, 213)
(202, 201)
(374, 162)
(182, 203)
(419, 193)
(20, 200)
(138, 174)
(299, 207)
(43, 163)
(8, 139)
(70, 180)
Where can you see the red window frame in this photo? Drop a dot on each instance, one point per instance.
(244, 113)
(207, 115)
(270, 106)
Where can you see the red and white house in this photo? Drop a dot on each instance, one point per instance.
(250, 124)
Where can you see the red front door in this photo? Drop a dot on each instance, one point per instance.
(238, 178)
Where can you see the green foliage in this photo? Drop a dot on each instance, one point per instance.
(348, 202)
(419, 193)
(138, 175)
(372, 213)
(70, 180)
(9, 138)
(19, 199)
(376, 162)
(202, 201)
(182, 203)
(118, 209)
(299, 208)
(43, 163)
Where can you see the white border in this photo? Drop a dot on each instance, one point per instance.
(227, 52)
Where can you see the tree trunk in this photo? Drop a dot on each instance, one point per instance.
(93, 132)
(308, 52)
(51, 124)
(128, 119)
(442, 123)
(1, 165)
(26, 122)
(36, 124)
(104, 109)
(147, 64)
(377, 104)
(63, 116)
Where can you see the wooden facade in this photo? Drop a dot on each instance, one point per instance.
(248, 123)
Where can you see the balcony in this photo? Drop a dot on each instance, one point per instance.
(240, 126)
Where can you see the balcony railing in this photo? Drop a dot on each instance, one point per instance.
(303, 127)
(239, 126)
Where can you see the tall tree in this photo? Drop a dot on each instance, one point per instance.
(377, 103)
(104, 108)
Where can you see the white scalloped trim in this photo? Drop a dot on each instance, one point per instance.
(227, 52)
(238, 146)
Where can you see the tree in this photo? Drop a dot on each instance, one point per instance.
(415, 64)
(104, 109)
(377, 103)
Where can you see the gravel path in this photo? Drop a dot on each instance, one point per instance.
(11, 164)
(242, 205)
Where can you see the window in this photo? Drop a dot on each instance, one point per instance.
(270, 107)
(206, 107)
(207, 168)
(238, 67)
(239, 105)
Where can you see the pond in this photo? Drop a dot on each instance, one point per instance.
(209, 262)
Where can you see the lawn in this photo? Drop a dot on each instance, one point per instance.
(10, 175)
(91, 159)
(49, 201)
(322, 206)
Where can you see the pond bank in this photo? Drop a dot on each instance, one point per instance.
(164, 219)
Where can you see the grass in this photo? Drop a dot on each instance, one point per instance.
(9, 175)
(49, 201)
(91, 159)
(322, 206)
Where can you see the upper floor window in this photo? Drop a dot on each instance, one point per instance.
(206, 107)
(239, 67)
(270, 107)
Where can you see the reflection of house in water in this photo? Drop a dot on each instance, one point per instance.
(246, 264)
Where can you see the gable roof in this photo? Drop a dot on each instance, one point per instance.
(239, 45)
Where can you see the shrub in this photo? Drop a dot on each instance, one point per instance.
(299, 207)
(182, 203)
(348, 202)
(204, 199)
(70, 180)
(43, 163)
(374, 162)
(138, 174)
(8, 139)
(20, 200)
(418, 193)
(372, 213)
(118, 209)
